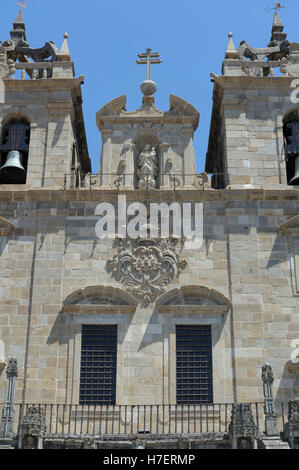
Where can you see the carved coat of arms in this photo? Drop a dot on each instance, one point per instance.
(146, 267)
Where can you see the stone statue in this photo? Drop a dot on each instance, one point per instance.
(147, 168)
(269, 409)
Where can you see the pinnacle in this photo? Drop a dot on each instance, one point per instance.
(277, 21)
(64, 51)
(19, 19)
(231, 52)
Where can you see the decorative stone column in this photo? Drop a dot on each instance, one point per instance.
(242, 426)
(6, 427)
(33, 428)
(271, 424)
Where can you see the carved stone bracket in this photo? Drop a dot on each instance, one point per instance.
(147, 267)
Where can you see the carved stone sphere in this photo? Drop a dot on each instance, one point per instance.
(148, 87)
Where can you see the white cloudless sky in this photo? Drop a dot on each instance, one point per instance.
(106, 36)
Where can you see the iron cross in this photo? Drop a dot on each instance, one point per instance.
(147, 59)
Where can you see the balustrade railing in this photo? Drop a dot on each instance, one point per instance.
(34, 70)
(98, 420)
(174, 181)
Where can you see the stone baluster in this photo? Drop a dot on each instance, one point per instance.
(45, 74)
(23, 74)
(34, 74)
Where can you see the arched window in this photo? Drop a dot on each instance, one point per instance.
(14, 151)
(291, 140)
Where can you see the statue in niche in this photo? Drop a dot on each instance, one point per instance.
(147, 168)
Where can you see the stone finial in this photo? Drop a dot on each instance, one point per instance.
(277, 21)
(19, 21)
(277, 30)
(231, 51)
(64, 54)
(148, 87)
(12, 368)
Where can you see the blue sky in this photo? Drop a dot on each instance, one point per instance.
(106, 36)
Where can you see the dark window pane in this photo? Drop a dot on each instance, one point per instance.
(194, 364)
(98, 365)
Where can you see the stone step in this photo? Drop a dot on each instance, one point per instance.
(275, 443)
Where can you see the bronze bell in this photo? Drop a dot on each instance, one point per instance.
(296, 177)
(13, 171)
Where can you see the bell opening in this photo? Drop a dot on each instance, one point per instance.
(291, 142)
(14, 151)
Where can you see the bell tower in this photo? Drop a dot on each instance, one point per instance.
(253, 138)
(42, 134)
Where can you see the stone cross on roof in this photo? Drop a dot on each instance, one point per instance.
(147, 59)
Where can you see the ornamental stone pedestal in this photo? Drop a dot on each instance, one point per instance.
(33, 428)
(242, 429)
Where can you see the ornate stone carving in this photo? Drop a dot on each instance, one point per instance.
(7, 66)
(290, 65)
(147, 168)
(294, 412)
(242, 424)
(12, 368)
(292, 427)
(34, 421)
(146, 267)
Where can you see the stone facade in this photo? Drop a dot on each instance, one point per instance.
(53, 253)
(57, 275)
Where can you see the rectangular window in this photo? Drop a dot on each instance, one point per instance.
(194, 364)
(98, 365)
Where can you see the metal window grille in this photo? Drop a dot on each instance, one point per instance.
(194, 364)
(98, 365)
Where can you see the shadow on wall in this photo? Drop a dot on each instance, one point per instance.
(279, 252)
(288, 383)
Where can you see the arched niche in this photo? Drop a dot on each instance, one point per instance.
(99, 299)
(194, 299)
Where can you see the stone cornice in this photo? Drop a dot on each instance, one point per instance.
(19, 193)
(51, 84)
(236, 82)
